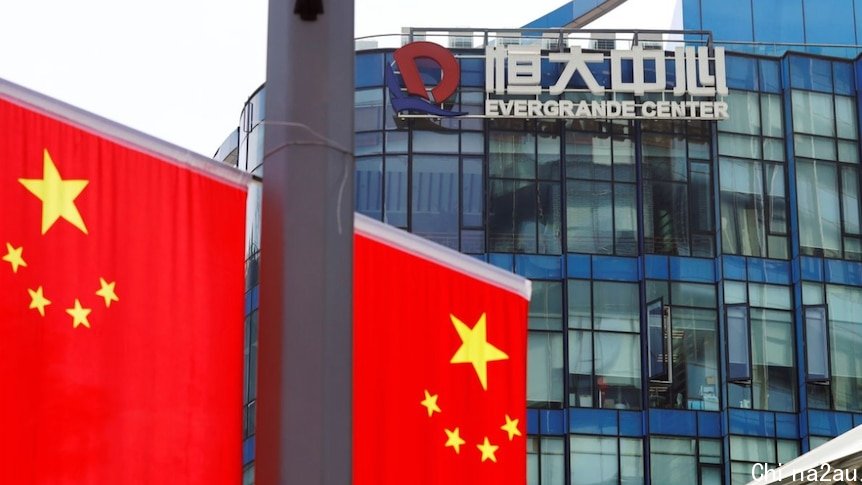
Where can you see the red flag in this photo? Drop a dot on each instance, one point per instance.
(121, 305)
(439, 364)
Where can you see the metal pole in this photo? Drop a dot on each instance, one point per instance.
(305, 389)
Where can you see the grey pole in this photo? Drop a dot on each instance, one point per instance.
(305, 391)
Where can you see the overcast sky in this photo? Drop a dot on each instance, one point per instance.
(181, 69)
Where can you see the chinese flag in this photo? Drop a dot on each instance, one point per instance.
(439, 364)
(121, 282)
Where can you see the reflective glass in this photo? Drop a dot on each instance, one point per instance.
(738, 344)
(553, 462)
(548, 157)
(579, 304)
(814, 147)
(545, 369)
(850, 199)
(773, 122)
(368, 109)
(549, 218)
(580, 369)
(664, 157)
(739, 145)
(773, 149)
(617, 363)
(693, 294)
(589, 217)
(625, 219)
(631, 461)
(546, 306)
(666, 228)
(816, 344)
(472, 195)
(512, 154)
(845, 306)
(742, 207)
(813, 113)
(435, 141)
(435, 198)
(745, 107)
(512, 216)
(773, 378)
(819, 211)
(369, 186)
(845, 116)
(593, 460)
(673, 460)
(848, 151)
(588, 156)
(769, 296)
(616, 306)
(395, 186)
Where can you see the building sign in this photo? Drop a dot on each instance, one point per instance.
(688, 84)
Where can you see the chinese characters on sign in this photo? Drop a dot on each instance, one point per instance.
(516, 70)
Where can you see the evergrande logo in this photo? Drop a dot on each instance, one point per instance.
(477, 351)
(57, 196)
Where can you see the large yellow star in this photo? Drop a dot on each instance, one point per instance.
(511, 427)
(57, 195)
(38, 300)
(430, 403)
(107, 291)
(13, 257)
(488, 450)
(79, 315)
(475, 348)
(454, 440)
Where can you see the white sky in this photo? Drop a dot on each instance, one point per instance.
(181, 69)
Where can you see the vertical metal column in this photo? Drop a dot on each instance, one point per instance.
(305, 390)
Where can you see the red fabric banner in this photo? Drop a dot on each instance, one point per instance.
(439, 369)
(121, 282)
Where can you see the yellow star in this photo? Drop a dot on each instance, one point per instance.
(454, 440)
(57, 195)
(475, 348)
(38, 300)
(511, 427)
(107, 292)
(13, 257)
(488, 450)
(79, 315)
(430, 402)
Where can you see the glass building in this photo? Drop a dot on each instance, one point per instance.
(739, 240)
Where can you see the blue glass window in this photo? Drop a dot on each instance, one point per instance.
(369, 186)
(435, 198)
(738, 343)
(816, 345)
(546, 460)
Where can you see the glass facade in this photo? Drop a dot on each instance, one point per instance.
(697, 285)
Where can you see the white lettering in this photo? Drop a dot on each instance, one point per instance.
(648, 109)
(566, 108)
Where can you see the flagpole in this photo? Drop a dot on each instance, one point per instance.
(305, 390)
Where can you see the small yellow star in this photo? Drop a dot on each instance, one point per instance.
(488, 450)
(107, 291)
(430, 402)
(79, 315)
(475, 348)
(38, 300)
(511, 427)
(57, 195)
(454, 440)
(13, 257)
